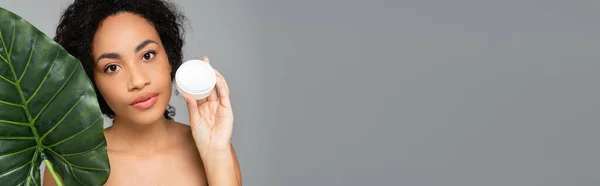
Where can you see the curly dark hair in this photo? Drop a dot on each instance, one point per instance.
(80, 21)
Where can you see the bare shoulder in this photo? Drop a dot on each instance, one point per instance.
(182, 135)
(181, 129)
(190, 157)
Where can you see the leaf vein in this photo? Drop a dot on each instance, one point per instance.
(16, 169)
(71, 164)
(31, 179)
(55, 94)
(18, 152)
(4, 59)
(44, 79)
(3, 45)
(7, 60)
(15, 123)
(79, 153)
(67, 139)
(75, 176)
(8, 80)
(65, 115)
(30, 54)
(16, 138)
(22, 182)
(11, 104)
(35, 157)
(12, 40)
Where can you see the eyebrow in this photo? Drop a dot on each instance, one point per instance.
(144, 44)
(108, 56)
(117, 56)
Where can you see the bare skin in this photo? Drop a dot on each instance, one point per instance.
(143, 147)
(173, 161)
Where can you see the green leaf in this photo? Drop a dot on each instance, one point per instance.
(48, 110)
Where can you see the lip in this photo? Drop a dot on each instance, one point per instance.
(145, 101)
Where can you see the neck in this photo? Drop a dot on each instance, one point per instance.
(140, 137)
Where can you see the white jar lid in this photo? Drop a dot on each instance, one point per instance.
(196, 77)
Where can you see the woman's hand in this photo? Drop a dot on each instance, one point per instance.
(211, 119)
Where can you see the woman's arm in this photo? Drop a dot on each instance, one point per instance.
(222, 167)
(211, 121)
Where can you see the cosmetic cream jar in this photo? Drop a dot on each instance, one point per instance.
(196, 78)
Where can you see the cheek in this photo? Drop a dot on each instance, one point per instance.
(160, 71)
(108, 89)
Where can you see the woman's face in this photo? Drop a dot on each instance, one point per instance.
(131, 70)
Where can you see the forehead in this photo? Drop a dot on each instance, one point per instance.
(122, 33)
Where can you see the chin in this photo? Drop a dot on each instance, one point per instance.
(148, 116)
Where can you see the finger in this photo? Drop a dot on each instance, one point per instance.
(202, 101)
(223, 91)
(213, 96)
(192, 105)
(224, 83)
(205, 59)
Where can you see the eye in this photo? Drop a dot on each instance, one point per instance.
(110, 68)
(148, 55)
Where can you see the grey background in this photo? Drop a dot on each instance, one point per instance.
(430, 92)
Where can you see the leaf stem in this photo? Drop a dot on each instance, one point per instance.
(51, 170)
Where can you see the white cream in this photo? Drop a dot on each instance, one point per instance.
(196, 78)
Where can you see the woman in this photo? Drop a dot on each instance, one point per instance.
(131, 50)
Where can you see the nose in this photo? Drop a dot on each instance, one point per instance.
(138, 78)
